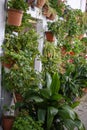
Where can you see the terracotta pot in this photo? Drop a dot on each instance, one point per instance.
(61, 1)
(40, 3)
(81, 36)
(31, 3)
(14, 17)
(84, 90)
(49, 36)
(45, 11)
(51, 17)
(8, 64)
(7, 122)
(18, 97)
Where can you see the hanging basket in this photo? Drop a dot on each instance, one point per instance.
(14, 17)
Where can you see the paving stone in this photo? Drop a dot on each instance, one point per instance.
(81, 110)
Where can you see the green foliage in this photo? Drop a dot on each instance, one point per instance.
(58, 5)
(27, 123)
(74, 79)
(51, 108)
(18, 4)
(22, 49)
(74, 25)
(51, 58)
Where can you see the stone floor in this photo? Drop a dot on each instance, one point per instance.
(82, 110)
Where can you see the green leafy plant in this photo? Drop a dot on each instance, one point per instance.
(26, 122)
(58, 5)
(51, 58)
(74, 79)
(23, 49)
(51, 108)
(74, 26)
(20, 4)
(7, 110)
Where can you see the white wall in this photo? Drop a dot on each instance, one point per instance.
(2, 29)
(77, 4)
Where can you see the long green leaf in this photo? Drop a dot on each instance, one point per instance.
(79, 125)
(67, 112)
(48, 80)
(56, 97)
(45, 93)
(55, 85)
(41, 114)
(52, 111)
(36, 99)
(69, 124)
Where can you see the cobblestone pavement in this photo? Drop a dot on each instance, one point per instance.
(82, 110)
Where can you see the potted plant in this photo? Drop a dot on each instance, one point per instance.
(51, 59)
(23, 48)
(31, 3)
(15, 11)
(8, 117)
(50, 106)
(58, 6)
(58, 29)
(40, 3)
(50, 36)
(46, 10)
(52, 15)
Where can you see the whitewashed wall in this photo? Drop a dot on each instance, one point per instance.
(77, 4)
(2, 29)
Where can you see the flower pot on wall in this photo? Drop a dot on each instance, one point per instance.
(40, 3)
(49, 36)
(52, 16)
(81, 36)
(31, 3)
(7, 122)
(46, 11)
(18, 97)
(8, 64)
(14, 17)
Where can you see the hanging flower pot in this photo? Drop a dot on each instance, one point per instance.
(49, 36)
(31, 3)
(46, 10)
(40, 3)
(52, 16)
(14, 17)
(7, 122)
(18, 97)
(81, 36)
(8, 64)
